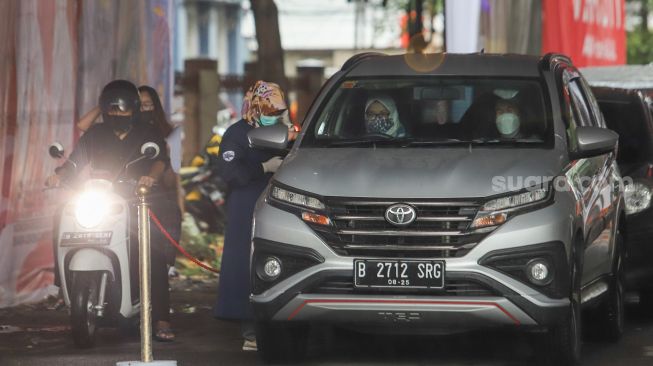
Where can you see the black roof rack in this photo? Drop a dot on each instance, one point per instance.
(355, 59)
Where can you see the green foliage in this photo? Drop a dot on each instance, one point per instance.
(203, 246)
(640, 40)
(640, 47)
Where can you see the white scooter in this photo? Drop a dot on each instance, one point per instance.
(96, 249)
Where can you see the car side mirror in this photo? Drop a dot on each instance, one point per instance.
(593, 141)
(56, 150)
(269, 137)
(150, 150)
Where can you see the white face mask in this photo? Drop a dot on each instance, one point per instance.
(508, 124)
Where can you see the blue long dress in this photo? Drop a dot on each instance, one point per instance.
(240, 166)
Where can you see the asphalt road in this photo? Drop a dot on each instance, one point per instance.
(36, 335)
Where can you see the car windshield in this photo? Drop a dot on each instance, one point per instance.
(417, 112)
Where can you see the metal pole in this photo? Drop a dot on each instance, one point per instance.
(145, 273)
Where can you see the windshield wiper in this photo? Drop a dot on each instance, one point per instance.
(433, 142)
(504, 141)
(361, 142)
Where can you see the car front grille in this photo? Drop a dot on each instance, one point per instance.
(453, 287)
(441, 229)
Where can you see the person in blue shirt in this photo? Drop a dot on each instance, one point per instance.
(246, 171)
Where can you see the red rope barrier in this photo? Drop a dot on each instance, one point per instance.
(179, 247)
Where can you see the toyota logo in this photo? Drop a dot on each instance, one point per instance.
(400, 214)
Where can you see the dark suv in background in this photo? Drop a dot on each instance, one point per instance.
(625, 96)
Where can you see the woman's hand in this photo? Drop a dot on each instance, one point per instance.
(293, 132)
(146, 181)
(271, 165)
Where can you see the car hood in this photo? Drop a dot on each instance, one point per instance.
(416, 172)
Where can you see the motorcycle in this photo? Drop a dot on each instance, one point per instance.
(205, 198)
(205, 192)
(96, 249)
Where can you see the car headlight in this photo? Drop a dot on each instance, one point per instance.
(91, 208)
(295, 198)
(495, 212)
(637, 197)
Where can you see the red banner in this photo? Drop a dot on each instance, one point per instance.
(591, 32)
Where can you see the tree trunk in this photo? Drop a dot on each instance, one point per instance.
(643, 13)
(270, 54)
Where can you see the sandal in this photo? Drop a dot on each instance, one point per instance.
(164, 335)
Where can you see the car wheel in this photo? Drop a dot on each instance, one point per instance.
(281, 343)
(563, 342)
(610, 317)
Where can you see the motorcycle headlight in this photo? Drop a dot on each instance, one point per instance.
(495, 212)
(637, 197)
(295, 198)
(91, 208)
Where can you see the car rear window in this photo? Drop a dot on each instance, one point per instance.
(431, 111)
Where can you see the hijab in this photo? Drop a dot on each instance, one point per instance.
(396, 129)
(262, 99)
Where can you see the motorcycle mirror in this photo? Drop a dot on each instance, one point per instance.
(56, 150)
(150, 150)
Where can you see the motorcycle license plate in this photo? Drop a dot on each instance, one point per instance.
(91, 238)
(398, 273)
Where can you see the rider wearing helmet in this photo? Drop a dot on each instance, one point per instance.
(109, 147)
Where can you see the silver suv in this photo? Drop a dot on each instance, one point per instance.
(441, 194)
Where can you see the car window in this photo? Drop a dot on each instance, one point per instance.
(397, 112)
(579, 104)
(594, 105)
(628, 120)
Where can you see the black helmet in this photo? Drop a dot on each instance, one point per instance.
(120, 96)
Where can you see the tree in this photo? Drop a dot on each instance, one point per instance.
(269, 65)
(640, 40)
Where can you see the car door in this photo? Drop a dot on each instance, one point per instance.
(594, 180)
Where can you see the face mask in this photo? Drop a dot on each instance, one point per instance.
(379, 124)
(119, 123)
(508, 124)
(268, 120)
(147, 116)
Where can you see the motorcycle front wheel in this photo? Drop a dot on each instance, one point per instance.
(84, 299)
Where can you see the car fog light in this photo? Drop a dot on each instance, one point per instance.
(271, 268)
(539, 272)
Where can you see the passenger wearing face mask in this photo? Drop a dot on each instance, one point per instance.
(508, 119)
(246, 171)
(382, 117)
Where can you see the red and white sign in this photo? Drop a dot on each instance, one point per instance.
(591, 32)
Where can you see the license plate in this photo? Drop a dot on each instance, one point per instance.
(398, 273)
(90, 238)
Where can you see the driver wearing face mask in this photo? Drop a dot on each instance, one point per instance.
(382, 117)
(507, 119)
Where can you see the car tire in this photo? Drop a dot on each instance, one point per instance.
(610, 316)
(562, 343)
(83, 319)
(281, 343)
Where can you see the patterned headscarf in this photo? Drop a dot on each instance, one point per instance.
(263, 98)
